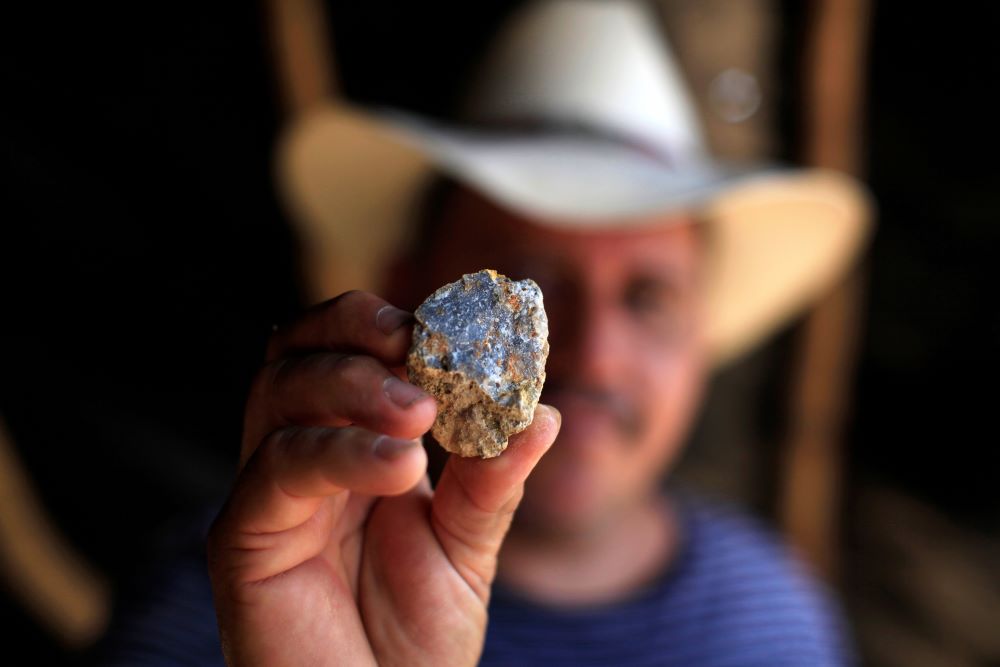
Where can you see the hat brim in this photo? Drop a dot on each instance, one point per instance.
(779, 237)
(566, 178)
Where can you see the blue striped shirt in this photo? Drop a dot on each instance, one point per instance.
(734, 596)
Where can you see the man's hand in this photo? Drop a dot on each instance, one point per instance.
(332, 548)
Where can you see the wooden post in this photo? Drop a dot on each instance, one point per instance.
(303, 54)
(813, 457)
(52, 580)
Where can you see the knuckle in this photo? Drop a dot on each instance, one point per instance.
(354, 370)
(359, 381)
(510, 505)
(346, 303)
(265, 382)
(274, 447)
(352, 315)
(347, 297)
(354, 437)
(266, 457)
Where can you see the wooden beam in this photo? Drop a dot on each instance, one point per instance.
(303, 54)
(813, 460)
(39, 565)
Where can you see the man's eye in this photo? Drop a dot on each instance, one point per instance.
(647, 298)
(657, 307)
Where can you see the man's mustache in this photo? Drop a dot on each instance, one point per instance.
(622, 408)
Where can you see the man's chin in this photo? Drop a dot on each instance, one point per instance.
(571, 487)
(548, 522)
(562, 498)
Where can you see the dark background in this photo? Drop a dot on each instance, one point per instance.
(144, 255)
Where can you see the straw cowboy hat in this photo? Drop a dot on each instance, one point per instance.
(579, 118)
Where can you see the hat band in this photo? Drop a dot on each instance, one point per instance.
(522, 126)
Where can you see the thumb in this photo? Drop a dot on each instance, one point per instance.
(475, 499)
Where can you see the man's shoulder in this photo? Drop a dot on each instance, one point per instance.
(167, 616)
(734, 594)
(736, 543)
(737, 575)
(728, 548)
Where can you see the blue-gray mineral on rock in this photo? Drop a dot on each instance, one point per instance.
(479, 347)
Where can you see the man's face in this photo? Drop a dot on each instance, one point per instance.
(626, 363)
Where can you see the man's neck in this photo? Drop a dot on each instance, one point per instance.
(604, 564)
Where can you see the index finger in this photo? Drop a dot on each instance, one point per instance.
(355, 321)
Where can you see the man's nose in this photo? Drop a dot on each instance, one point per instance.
(588, 344)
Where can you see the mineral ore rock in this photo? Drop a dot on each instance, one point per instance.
(479, 347)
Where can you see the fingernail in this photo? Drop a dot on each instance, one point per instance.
(401, 393)
(389, 318)
(392, 448)
(553, 412)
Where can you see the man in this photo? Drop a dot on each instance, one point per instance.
(333, 548)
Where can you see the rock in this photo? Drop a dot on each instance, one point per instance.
(479, 347)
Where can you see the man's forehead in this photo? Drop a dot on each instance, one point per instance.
(465, 232)
(473, 216)
(471, 207)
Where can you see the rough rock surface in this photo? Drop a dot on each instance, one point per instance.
(479, 347)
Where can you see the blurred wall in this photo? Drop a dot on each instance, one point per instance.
(144, 258)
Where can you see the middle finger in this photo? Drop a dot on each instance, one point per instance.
(333, 389)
